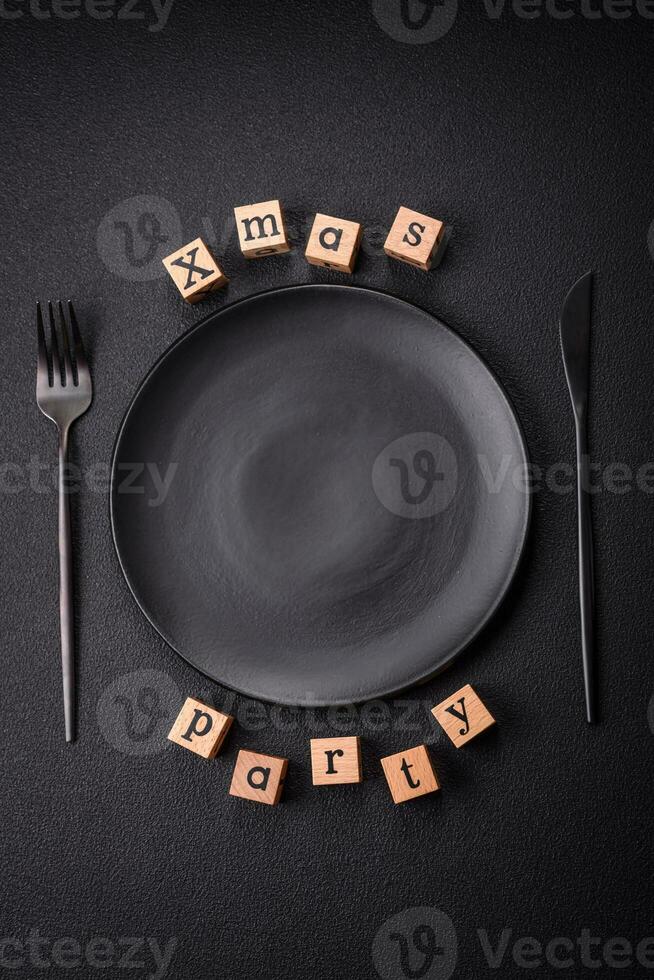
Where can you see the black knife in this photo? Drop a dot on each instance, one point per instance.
(575, 344)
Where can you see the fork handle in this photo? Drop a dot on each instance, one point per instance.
(586, 571)
(66, 591)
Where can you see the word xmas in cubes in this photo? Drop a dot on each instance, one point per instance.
(202, 729)
(333, 242)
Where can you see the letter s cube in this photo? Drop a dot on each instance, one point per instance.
(414, 238)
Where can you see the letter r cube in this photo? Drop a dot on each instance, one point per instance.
(336, 760)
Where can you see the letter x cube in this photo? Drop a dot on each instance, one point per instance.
(194, 271)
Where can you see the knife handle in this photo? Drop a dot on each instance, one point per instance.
(586, 570)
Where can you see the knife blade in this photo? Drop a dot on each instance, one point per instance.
(575, 347)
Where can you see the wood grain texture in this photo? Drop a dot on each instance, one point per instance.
(258, 777)
(336, 760)
(194, 271)
(410, 774)
(334, 243)
(200, 728)
(414, 238)
(261, 229)
(463, 716)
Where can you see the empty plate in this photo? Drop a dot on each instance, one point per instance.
(318, 495)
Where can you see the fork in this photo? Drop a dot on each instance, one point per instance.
(63, 393)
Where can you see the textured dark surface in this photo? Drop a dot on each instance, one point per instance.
(533, 139)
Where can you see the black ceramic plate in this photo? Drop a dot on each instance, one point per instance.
(345, 510)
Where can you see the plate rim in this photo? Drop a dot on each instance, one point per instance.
(382, 693)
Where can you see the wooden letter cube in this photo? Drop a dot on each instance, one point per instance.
(463, 716)
(410, 774)
(258, 777)
(261, 229)
(334, 243)
(200, 728)
(414, 238)
(336, 760)
(194, 271)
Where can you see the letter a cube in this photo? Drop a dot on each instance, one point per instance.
(258, 777)
(334, 243)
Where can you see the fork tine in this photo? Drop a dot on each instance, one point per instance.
(56, 363)
(80, 356)
(70, 371)
(42, 367)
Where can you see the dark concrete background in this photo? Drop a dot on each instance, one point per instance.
(533, 139)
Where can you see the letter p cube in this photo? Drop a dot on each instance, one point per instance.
(200, 728)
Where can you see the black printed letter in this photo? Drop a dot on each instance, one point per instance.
(336, 235)
(265, 776)
(193, 727)
(405, 769)
(191, 267)
(260, 222)
(331, 755)
(462, 715)
(412, 231)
